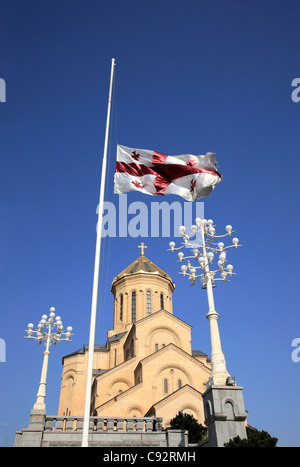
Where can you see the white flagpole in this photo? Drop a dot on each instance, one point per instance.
(89, 376)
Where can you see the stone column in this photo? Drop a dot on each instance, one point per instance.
(126, 316)
(32, 436)
(224, 413)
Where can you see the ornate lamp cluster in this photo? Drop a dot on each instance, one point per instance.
(205, 253)
(49, 328)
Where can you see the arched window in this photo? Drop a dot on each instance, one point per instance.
(156, 347)
(165, 385)
(133, 307)
(179, 384)
(229, 410)
(161, 301)
(121, 307)
(148, 302)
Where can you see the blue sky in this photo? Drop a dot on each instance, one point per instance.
(191, 77)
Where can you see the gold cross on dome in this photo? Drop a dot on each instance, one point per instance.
(142, 246)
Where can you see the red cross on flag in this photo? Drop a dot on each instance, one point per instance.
(191, 177)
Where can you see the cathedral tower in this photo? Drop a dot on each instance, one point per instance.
(139, 290)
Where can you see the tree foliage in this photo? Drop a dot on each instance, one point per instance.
(184, 421)
(256, 439)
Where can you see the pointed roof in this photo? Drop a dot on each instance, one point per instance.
(173, 395)
(142, 265)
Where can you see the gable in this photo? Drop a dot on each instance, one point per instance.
(165, 315)
(185, 391)
(163, 328)
(187, 400)
(153, 368)
(171, 348)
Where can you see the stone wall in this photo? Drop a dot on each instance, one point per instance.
(66, 431)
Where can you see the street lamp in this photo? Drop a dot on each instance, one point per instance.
(48, 329)
(204, 253)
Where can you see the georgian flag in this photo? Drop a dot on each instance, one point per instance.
(152, 173)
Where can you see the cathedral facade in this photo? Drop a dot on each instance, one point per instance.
(147, 367)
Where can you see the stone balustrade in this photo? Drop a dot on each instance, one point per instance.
(103, 424)
(60, 431)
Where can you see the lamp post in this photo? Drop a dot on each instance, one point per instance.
(204, 253)
(48, 329)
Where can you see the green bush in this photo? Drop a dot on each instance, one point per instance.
(256, 439)
(184, 421)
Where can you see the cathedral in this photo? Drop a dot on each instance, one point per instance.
(147, 367)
